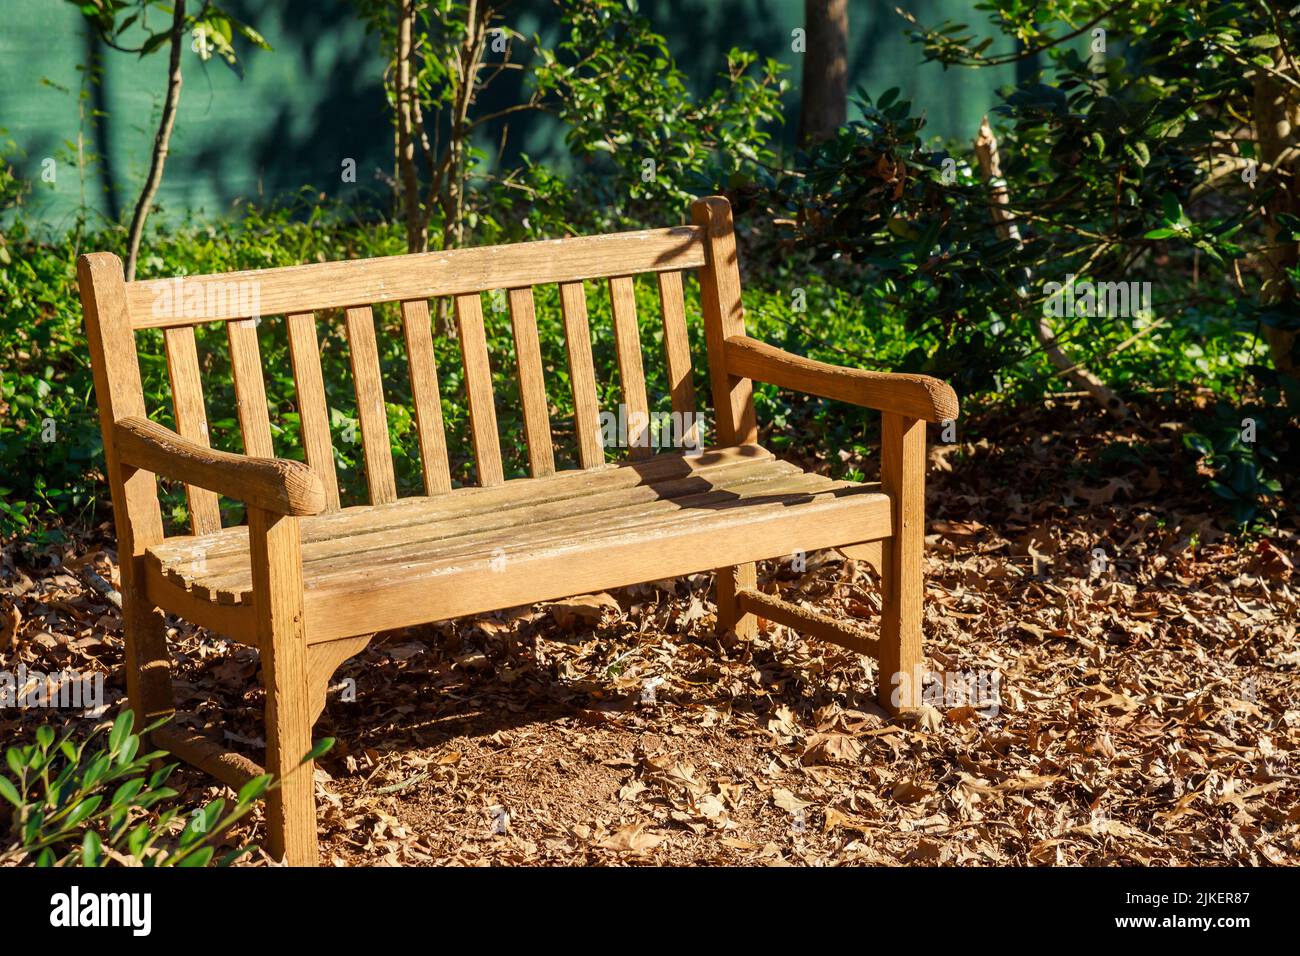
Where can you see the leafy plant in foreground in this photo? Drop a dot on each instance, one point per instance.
(87, 803)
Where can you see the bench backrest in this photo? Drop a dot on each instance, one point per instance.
(116, 310)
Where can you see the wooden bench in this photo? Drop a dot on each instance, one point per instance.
(308, 582)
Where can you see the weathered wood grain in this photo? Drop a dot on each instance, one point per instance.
(157, 303)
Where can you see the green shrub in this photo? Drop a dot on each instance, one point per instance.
(89, 803)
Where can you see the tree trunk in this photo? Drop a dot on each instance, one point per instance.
(161, 142)
(451, 179)
(825, 97)
(1277, 124)
(986, 151)
(416, 231)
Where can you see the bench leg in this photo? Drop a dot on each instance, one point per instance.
(902, 477)
(733, 620)
(276, 553)
(148, 663)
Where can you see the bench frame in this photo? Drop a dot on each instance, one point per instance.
(277, 492)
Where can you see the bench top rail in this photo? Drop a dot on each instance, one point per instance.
(221, 297)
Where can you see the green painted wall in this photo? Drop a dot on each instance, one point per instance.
(316, 99)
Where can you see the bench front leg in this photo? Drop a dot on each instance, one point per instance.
(902, 477)
(276, 555)
(147, 661)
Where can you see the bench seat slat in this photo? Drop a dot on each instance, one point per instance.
(474, 539)
(578, 565)
(521, 516)
(558, 523)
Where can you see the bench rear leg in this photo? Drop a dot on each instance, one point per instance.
(278, 596)
(733, 622)
(902, 477)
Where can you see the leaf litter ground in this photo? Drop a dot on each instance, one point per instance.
(1149, 710)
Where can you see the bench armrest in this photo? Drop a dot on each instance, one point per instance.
(277, 485)
(916, 396)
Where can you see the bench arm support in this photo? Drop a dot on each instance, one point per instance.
(277, 485)
(914, 396)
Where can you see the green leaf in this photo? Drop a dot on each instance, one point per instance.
(322, 747)
(197, 858)
(136, 840)
(83, 810)
(153, 43)
(1172, 208)
(1222, 490)
(255, 788)
(234, 855)
(91, 849)
(121, 729)
(1265, 41)
(127, 792)
(9, 791)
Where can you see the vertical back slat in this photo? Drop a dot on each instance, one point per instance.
(250, 390)
(478, 389)
(425, 394)
(532, 388)
(191, 419)
(677, 346)
(627, 342)
(586, 407)
(313, 412)
(370, 405)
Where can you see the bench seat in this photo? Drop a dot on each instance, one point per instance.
(393, 565)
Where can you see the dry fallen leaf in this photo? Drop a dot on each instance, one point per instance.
(9, 623)
(587, 608)
(831, 749)
(632, 839)
(788, 801)
(908, 791)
